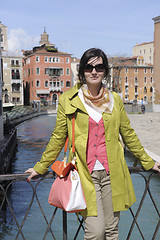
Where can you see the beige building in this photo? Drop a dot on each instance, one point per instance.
(13, 79)
(145, 50)
(4, 40)
(74, 69)
(156, 102)
(12, 92)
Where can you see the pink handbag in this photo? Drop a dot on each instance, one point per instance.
(66, 191)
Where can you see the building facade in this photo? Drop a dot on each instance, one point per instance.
(156, 102)
(13, 79)
(144, 50)
(12, 92)
(132, 79)
(74, 69)
(47, 72)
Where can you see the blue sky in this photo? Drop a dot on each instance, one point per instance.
(76, 25)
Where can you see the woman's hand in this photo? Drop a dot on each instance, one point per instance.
(32, 172)
(156, 167)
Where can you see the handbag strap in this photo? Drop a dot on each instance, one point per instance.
(73, 136)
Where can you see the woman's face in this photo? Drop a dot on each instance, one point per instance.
(94, 76)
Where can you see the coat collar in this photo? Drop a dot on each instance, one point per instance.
(75, 100)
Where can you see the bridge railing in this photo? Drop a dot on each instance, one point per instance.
(6, 182)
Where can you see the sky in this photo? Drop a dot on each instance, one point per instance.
(74, 26)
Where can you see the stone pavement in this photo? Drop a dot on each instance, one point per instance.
(147, 127)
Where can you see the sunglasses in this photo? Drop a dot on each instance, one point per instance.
(89, 68)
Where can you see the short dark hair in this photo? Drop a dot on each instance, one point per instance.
(90, 53)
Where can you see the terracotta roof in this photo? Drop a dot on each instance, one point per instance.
(143, 44)
(44, 51)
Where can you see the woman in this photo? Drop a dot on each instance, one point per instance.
(100, 118)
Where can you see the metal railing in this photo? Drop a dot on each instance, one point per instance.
(6, 182)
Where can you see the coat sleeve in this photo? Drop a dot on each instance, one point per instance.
(56, 142)
(131, 140)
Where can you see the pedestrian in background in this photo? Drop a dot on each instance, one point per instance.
(100, 119)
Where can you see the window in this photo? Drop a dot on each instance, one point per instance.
(144, 51)
(145, 98)
(46, 71)
(37, 71)
(46, 83)
(77, 67)
(126, 70)
(67, 60)
(54, 71)
(126, 80)
(62, 84)
(151, 89)
(37, 83)
(126, 89)
(145, 89)
(136, 70)
(151, 80)
(136, 89)
(54, 59)
(57, 59)
(37, 59)
(145, 80)
(46, 59)
(151, 70)
(67, 71)
(50, 59)
(15, 87)
(68, 84)
(15, 74)
(54, 84)
(145, 70)
(57, 84)
(136, 80)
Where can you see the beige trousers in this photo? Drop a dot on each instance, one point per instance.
(105, 224)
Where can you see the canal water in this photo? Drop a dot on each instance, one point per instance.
(33, 137)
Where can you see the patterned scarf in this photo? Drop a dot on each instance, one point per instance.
(103, 102)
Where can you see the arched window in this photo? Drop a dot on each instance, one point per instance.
(151, 89)
(145, 90)
(68, 84)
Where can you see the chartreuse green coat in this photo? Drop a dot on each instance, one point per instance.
(115, 123)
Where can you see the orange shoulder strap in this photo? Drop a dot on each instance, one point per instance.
(73, 136)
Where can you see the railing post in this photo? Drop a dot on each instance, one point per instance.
(64, 225)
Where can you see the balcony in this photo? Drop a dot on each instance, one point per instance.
(15, 65)
(27, 221)
(16, 81)
(54, 89)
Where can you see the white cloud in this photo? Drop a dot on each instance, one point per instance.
(18, 39)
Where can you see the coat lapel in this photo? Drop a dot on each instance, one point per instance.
(74, 101)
